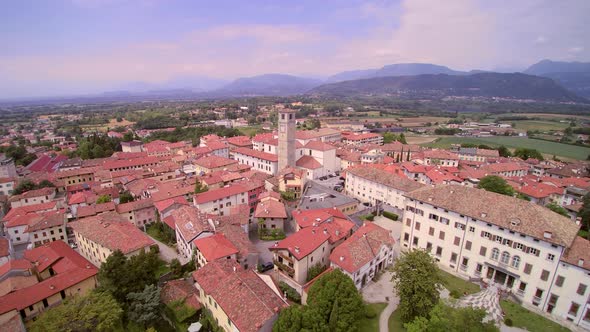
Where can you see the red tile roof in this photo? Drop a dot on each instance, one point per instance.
(135, 205)
(242, 141)
(113, 232)
(270, 208)
(4, 247)
(303, 242)
(578, 253)
(181, 289)
(362, 247)
(257, 154)
(33, 193)
(22, 210)
(190, 222)
(164, 204)
(246, 299)
(215, 247)
(136, 162)
(213, 161)
(440, 154)
(219, 193)
(308, 218)
(359, 137)
(319, 146)
(308, 162)
(92, 210)
(15, 264)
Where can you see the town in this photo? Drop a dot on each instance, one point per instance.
(252, 218)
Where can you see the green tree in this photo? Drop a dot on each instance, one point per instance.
(496, 184)
(24, 186)
(584, 213)
(125, 197)
(97, 311)
(416, 281)
(504, 152)
(557, 209)
(143, 306)
(524, 154)
(388, 137)
(103, 199)
(443, 318)
(200, 188)
(176, 267)
(315, 271)
(402, 138)
(336, 287)
(290, 320)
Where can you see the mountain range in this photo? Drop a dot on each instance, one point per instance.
(421, 78)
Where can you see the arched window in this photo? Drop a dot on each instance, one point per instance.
(515, 262)
(495, 254)
(505, 257)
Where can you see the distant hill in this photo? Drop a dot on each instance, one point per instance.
(188, 83)
(268, 85)
(514, 86)
(575, 76)
(399, 69)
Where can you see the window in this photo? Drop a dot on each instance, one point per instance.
(587, 315)
(479, 268)
(515, 262)
(471, 229)
(441, 235)
(415, 242)
(559, 281)
(417, 226)
(533, 251)
(457, 241)
(433, 216)
(483, 251)
(544, 275)
(438, 251)
(495, 254)
(453, 258)
(519, 246)
(550, 257)
(574, 309)
(431, 231)
(468, 245)
(459, 226)
(498, 239)
(428, 247)
(408, 222)
(465, 262)
(505, 257)
(522, 286)
(581, 289)
(486, 235)
(446, 221)
(406, 237)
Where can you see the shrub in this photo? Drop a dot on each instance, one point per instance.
(508, 322)
(370, 312)
(390, 215)
(155, 249)
(370, 217)
(455, 294)
(290, 291)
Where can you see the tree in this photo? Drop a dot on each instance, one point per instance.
(176, 267)
(103, 199)
(557, 209)
(315, 271)
(97, 311)
(200, 188)
(524, 154)
(290, 319)
(388, 137)
(504, 152)
(416, 280)
(143, 306)
(23, 186)
(402, 138)
(125, 197)
(335, 287)
(446, 318)
(496, 184)
(584, 213)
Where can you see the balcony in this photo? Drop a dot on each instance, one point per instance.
(520, 292)
(463, 267)
(536, 300)
(289, 270)
(287, 258)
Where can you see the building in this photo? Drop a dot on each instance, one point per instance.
(209, 164)
(367, 251)
(291, 180)
(270, 211)
(477, 154)
(220, 201)
(357, 139)
(32, 197)
(238, 299)
(286, 138)
(522, 247)
(45, 277)
(140, 213)
(132, 146)
(508, 169)
(7, 167)
(190, 224)
(36, 228)
(441, 158)
(211, 248)
(374, 186)
(99, 236)
(317, 196)
(258, 160)
(318, 159)
(7, 186)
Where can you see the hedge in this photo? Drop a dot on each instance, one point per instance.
(291, 292)
(390, 215)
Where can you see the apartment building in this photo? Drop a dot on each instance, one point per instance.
(32, 197)
(220, 201)
(211, 248)
(190, 224)
(7, 186)
(260, 161)
(441, 158)
(374, 185)
(524, 248)
(357, 139)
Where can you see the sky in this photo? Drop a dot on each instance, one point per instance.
(68, 47)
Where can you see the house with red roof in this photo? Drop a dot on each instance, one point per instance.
(261, 161)
(211, 248)
(239, 142)
(360, 139)
(190, 224)
(140, 213)
(238, 299)
(165, 207)
(212, 163)
(507, 169)
(47, 276)
(99, 236)
(292, 180)
(270, 211)
(31, 197)
(37, 228)
(441, 158)
(367, 251)
(219, 201)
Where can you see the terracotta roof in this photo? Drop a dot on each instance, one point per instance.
(163, 205)
(270, 208)
(438, 176)
(578, 253)
(22, 210)
(113, 232)
(303, 242)
(319, 146)
(15, 264)
(135, 205)
(214, 161)
(503, 167)
(246, 299)
(14, 324)
(257, 154)
(316, 133)
(359, 137)
(383, 177)
(504, 211)
(92, 210)
(47, 220)
(242, 141)
(215, 247)
(190, 222)
(182, 289)
(308, 162)
(362, 247)
(33, 193)
(539, 190)
(440, 154)
(307, 218)
(4, 247)
(219, 193)
(269, 195)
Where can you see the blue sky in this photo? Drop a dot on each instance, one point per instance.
(86, 46)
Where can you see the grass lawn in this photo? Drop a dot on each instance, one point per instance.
(457, 284)
(155, 233)
(162, 269)
(549, 148)
(251, 130)
(526, 319)
(372, 324)
(583, 233)
(538, 125)
(395, 322)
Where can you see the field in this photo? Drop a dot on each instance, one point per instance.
(420, 139)
(543, 116)
(528, 320)
(538, 125)
(545, 147)
(372, 324)
(104, 127)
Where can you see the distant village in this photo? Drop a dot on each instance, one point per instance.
(257, 214)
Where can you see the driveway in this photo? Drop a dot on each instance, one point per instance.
(395, 227)
(264, 255)
(167, 253)
(382, 291)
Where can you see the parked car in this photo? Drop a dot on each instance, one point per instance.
(331, 175)
(323, 178)
(342, 178)
(266, 266)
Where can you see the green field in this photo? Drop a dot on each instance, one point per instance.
(545, 147)
(538, 125)
(528, 320)
(372, 324)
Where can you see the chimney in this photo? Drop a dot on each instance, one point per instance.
(234, 269)
(341, 258)
(325, 231)
(547, 235)
(297, 249)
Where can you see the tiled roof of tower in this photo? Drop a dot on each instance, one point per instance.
(215, 247)
(112, 231)
(504, 211)
(362, 246)
(247, 300)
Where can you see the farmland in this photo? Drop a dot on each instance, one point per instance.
(538, 125)
(545, 147)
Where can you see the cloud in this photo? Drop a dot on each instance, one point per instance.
(540, 40)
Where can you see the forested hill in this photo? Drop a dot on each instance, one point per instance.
(488, 85)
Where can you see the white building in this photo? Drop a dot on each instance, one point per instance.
(220, 201)
(260, 161)
(520, 246)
